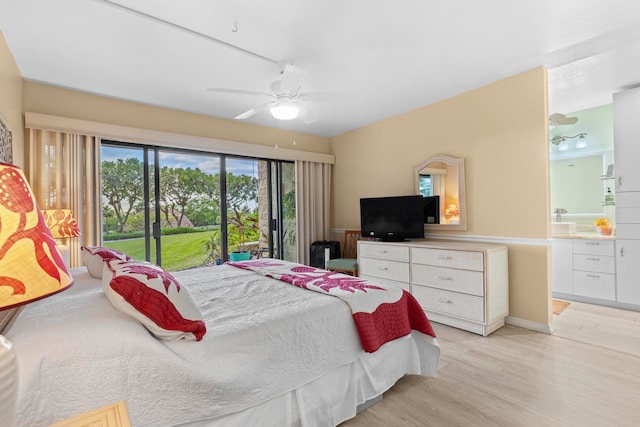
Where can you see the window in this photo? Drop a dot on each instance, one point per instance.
(182, 209)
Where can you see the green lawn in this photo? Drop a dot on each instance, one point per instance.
(179, 251)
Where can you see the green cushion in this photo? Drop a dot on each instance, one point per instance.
(343, 264)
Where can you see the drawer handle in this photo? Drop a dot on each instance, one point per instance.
(593, 276)
(593, 243)
(445, 301)
(444, 257)
(593, 259)
(445, 278)
(383, 268)
(382, 251)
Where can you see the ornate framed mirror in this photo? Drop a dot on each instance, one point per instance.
(443, 176)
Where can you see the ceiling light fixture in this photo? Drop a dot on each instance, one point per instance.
(285, 109)
(558, 139)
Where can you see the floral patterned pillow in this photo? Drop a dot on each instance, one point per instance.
(154, 297)
(94, 258)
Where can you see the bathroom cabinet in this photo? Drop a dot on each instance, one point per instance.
(584, 269)
(626, 127)
(626, 130)
(628, 246)
(562, 272)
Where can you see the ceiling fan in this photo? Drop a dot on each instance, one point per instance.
(558, 119)
(287, 101)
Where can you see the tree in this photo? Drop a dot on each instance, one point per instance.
(241, 189)
(179, 187)
(123, 187)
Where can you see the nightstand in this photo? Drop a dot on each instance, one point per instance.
(114, 415)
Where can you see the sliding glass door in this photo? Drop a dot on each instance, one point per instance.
(183, 209)
(188, 209)
(128, 201)
(283, 202)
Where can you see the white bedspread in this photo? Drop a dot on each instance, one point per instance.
(77, 353)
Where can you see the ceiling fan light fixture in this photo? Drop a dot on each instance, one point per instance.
(285, 110)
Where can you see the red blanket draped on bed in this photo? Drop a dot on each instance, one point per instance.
(381, 313)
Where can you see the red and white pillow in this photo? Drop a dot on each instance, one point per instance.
(154, 297)
(94, 258)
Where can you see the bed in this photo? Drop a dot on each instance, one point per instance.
(273, 354)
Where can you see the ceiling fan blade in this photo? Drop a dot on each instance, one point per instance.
(557, 119)
(246, 114)
(237, 91)
(306, 115)
(253, 111)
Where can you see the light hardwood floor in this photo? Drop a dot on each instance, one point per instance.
(587, 373)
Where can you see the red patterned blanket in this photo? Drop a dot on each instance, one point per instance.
(381, 313)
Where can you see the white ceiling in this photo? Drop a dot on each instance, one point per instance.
(387, 57)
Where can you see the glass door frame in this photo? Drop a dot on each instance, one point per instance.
(152, 227)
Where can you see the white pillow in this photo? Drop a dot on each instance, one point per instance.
(94, 258)
(154, 297)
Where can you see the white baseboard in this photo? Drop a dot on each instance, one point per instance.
(528, 324)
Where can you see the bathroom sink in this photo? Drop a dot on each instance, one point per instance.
(563, 228)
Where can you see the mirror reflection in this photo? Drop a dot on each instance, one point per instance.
(443, 176)
(581, 171)
(578, 186)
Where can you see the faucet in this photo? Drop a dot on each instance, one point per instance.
(559, 212)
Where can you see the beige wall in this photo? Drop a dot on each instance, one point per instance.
(501, 130)
(11, 100)
(40, 98)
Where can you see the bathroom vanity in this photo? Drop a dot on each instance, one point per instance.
(584, 268)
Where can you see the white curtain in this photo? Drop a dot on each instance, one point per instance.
(437, 188)
(63, 171)
(313, 192)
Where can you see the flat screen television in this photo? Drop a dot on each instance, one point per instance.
(392, 218)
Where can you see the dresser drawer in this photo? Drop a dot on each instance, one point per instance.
(383, 281)
(450, 279)
(593, 247)
(447, 258)
(459, 305)
(386, 252)
(595, 263)
(594, 285)
(393, 270)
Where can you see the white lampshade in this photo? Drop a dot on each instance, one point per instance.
(285, 109)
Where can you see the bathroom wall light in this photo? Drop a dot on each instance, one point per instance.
(581, 143)
(556, 140)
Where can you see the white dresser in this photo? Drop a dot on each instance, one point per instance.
(465, 285)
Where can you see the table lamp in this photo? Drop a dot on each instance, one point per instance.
(31, 268)
(62, 225)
